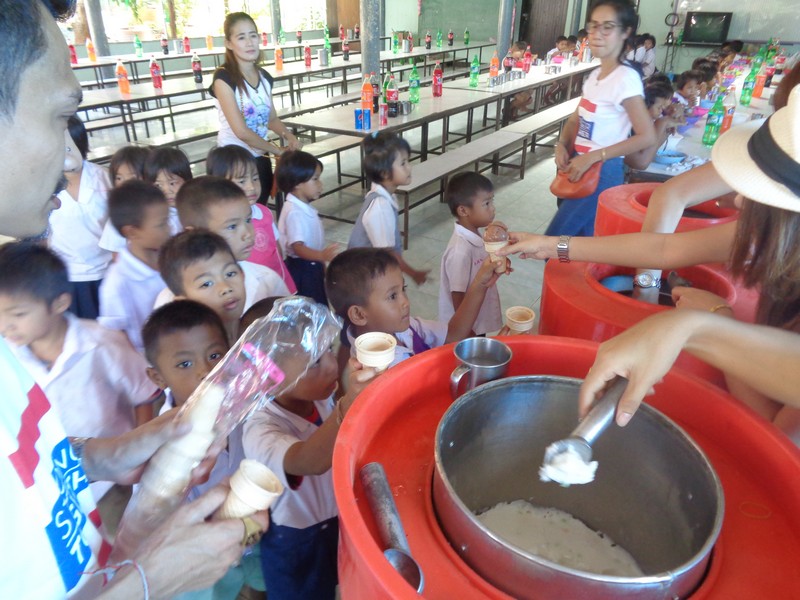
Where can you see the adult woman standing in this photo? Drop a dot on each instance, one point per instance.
(611, 105)
(243, 94)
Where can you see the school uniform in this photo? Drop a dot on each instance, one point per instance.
(112, 240)
(127, 295)
(265, 244)
(461, 261)
(300, 222)
(376, 225)
(299, 550)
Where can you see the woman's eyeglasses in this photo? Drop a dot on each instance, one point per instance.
(606, 27)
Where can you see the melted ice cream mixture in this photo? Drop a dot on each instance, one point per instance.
(559, 537)
(567, 467)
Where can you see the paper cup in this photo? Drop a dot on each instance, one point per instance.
(253, 488)
(375, 349)
(500, 261)
(520, 319)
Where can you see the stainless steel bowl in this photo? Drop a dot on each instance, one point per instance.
(655, 493)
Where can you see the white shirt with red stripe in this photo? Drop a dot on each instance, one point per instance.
(48, 518)
(602, 119)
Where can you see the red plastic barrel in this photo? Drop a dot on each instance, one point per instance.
(394, 421)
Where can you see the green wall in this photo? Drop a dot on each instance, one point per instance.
(480, 15)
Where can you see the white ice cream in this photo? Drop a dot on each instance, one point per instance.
(567, 467)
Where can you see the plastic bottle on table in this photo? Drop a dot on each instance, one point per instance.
(392, 96)
(341, 32)
(122, 78)
(439, 38)
(437, 80)
(761, 80)
(428, 40)
(367, 92)
(282, 37)
(137, 46)
(209, 42)
(413, 85)
(73, 55)
(474, 71)
(345, 50)
(385, 87)
(279, 59)
(410, 39)
(307, 55)
(357, 31)
(747, 87)
(713, 123)
(494, 65)
(299, 36)
(375, 80)
(450, 37)
(508, 62)
(466, 36)
(187, 45)
(527, 60)
(197, 68)
(90, 51)
(155, 73)
(164, 44)
(395, 42)
(729, 104)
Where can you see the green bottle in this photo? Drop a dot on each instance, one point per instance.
(137, 46)
(395, 42)
(439, 38)
(413, 85)
(466, 36)
(714, 122)
(474, 71)
(386, 87)
(282, 38)
(747, 87)
(327, 41)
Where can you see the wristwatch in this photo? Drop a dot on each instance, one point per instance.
(646, 280)
(562, 249)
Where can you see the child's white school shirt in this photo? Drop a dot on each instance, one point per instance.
(300, 222)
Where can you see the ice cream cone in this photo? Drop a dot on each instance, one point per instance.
(253, 488)
(499, 261)
(520, 319)
(375, 349)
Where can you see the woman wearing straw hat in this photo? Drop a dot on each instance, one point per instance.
(761, 162)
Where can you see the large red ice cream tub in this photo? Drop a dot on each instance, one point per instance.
(394, 422)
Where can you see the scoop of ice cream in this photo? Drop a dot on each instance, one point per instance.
(567, 467)
(495, 231)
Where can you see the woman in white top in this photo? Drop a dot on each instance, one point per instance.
(243, 94)
(612, 104)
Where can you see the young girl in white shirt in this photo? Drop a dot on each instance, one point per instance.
(612, 104)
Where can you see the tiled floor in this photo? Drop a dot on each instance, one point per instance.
(525, 205)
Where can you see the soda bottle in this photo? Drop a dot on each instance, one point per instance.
(410, 39)
(278, 59)
(341, 32)
(307, 55)
(474, 71)
(137, 46)
(73, 55)
(357, 31)
(164, 44)
(494, 65)
(392, 96)
(299, 35)
(428, 41)
(770, 73)
(729, 104)
(713, 123)
(375, 80)
(327, 41)
(450, 38)
(281, 37)
(780, 61)
(413, 85)
(155, 73)
(761, 80)
(90, 51)
(439, 38)
(122, 78)
(197, 68)
(385, 96)
(395, 42)
(437, 80)
(747, 87)
(466, 36)
(187, 45)
(367, 93)
(345, 50)
(209, 42)
(758, 59)
(527, 60)
(508, 62)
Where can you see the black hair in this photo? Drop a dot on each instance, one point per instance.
(654, 91)
(185, 249)
(519, 45)
(24, 42)
(179, 315)
(196, 196)
(687, 76)
(380, 151)
(348, 279)
(646, 37)
(561, 38)
(626, 17)
(295, 167)
(33, 270)
(462, 187)
(735, 45)
(79, 135)
(659, 77)
(583, 34)
(707, 67)
(224, 161)
(572, 39)
(133, 156)
(260, 309)
(231, 65)
(169, 159)
(128, 203)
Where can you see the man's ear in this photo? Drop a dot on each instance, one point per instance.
(61, 304)
(357, 315)
(154, 376)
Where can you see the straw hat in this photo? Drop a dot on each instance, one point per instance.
(761, 159)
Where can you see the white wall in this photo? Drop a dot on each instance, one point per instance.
(401, 15)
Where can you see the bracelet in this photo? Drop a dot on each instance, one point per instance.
(723, 306)
(112, 570)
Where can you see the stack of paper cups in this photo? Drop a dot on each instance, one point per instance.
(253, 488)
(375, 349)
(499, 261)
(520, 319)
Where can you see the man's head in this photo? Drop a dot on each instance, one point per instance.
(365, 286)
(199, 265)
(183, 340)
(219, 205)
(34, 292)
(139, 211)
(38, 94)
(470, 197)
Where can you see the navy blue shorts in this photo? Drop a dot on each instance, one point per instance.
(85, 298)
(309, 277)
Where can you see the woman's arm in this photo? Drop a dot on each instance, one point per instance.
(230, 108)
(276, 125)
(565, 146)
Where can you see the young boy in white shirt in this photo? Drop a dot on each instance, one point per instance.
(140, 213)
(365, 287)
(93, 377)
(470, 197)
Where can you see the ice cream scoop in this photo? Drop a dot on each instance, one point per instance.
(495, 237)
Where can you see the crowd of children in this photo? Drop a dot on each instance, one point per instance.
(152, 274)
